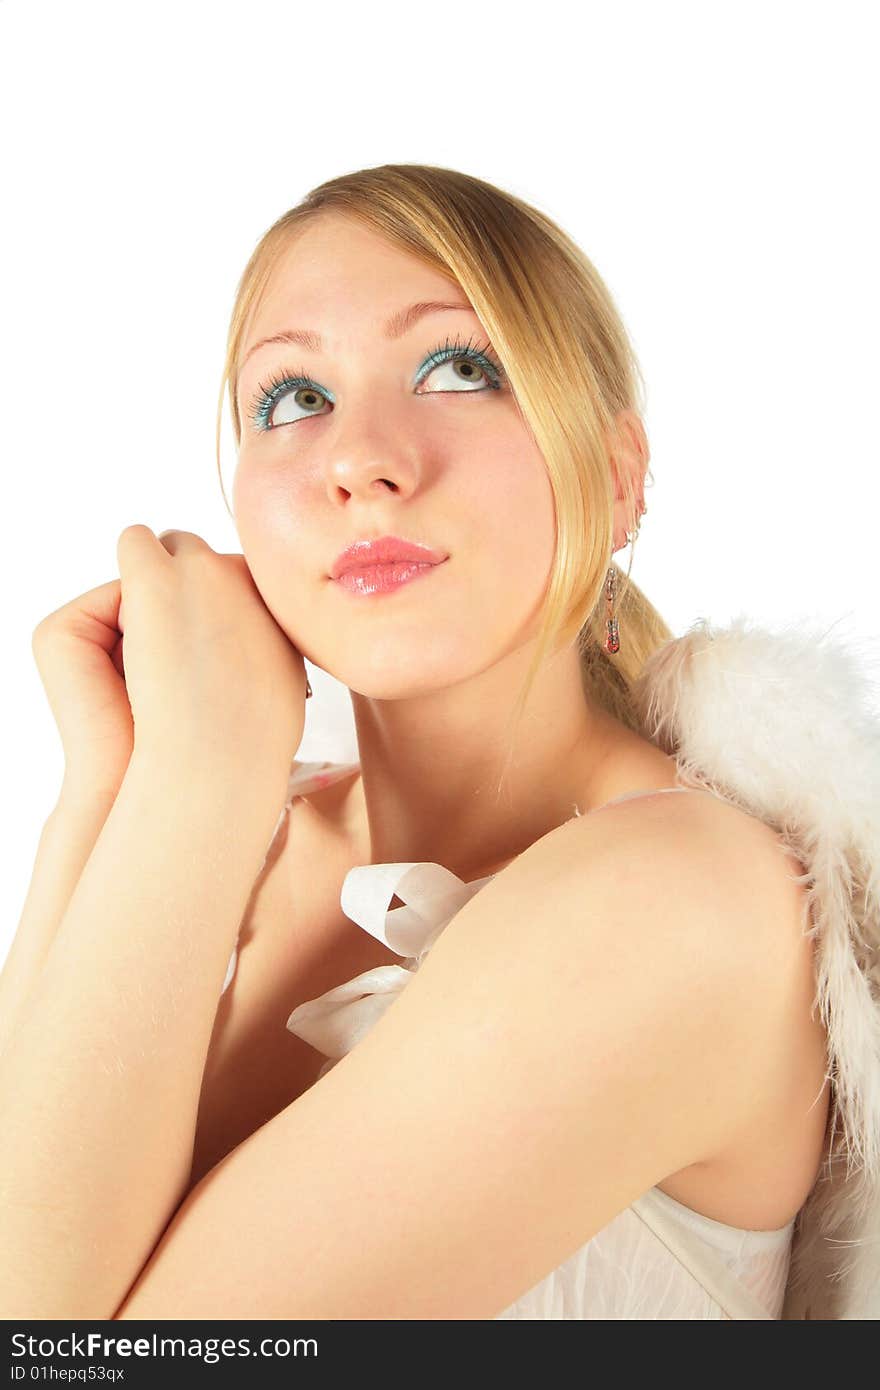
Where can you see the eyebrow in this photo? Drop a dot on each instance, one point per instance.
(398, 324)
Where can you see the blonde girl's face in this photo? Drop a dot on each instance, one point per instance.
(365, 435)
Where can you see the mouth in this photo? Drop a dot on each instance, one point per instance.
(384, 550)
(385, 578)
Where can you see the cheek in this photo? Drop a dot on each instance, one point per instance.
(511, 503)
(272, 525)
(269, 515)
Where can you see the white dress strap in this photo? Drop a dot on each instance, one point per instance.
(656, 791)
(700, 1260)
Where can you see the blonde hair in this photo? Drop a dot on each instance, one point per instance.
(557, 333)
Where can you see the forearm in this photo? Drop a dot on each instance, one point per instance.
(99, 1084)
(68, 838)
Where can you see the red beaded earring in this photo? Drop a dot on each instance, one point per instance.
(612, 635)
(612, 632)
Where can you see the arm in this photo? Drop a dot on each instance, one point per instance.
(99, 1083)
(67, 840)
(576, 1034)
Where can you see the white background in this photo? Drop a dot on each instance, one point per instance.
(717, 163)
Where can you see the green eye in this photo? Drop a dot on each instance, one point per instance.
(299, 391)
(466, 355)
(283, 391)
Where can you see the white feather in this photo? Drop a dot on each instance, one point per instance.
(780, 722)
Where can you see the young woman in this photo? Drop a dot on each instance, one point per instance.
(603, 1088)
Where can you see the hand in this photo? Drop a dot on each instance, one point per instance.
(208, 670)
(78, 654)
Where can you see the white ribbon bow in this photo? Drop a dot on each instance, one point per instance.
(431, 895)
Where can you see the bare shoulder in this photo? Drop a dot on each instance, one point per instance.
(729, 853)
(694, 899)
(714, 876)
(707, 845)
(706, 879)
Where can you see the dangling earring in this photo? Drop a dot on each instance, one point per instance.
(612, 632)
(612, 636)
(308, 689)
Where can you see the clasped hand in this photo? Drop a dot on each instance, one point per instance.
(206, 664)
(178, 659)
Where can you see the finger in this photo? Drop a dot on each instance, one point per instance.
(135, 532)
(95, 614)
(131, 540)
(175, 541)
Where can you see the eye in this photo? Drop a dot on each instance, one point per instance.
(458, 364)
(277, 401)
(455, 372)
(459, 369)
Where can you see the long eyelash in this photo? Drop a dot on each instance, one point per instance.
(478, 353)
(263, 399)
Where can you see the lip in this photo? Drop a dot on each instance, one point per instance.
(384, 553)
(383, 579)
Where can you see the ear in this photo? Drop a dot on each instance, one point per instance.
(629, 454)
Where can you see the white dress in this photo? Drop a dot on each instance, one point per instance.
(657, 1258)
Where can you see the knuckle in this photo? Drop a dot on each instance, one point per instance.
(44, 627)
(132, 531)
(190, 539)
(43, 639)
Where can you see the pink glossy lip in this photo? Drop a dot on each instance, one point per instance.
(382, 579)
(386, 551)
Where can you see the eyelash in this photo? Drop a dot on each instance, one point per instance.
(267, 394)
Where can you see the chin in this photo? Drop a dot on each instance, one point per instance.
(392, 687)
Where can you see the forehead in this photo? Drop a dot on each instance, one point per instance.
(340, 276)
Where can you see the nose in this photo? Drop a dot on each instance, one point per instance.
(372, 455)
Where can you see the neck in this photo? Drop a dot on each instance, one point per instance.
(440, 781)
